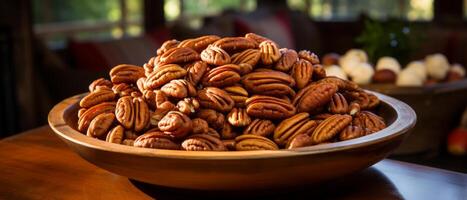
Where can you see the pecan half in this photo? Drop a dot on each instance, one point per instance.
(267, 107)
(351, 132)
(179, 88)
(200, 43)
(178, 55)
(115, 135)
(257, 38)
(160, 112)
(91, 113)
(215, 119)
(225, 75)
(249, 56)
(149, 66)
(272, 83)
(302, 71)
(318, 72)
(312, 97)
(245, 68)
(369, 121)
(96, 97)
(308, 55)
(200, 126)
(169, 44)
(140, 84)
(238, 117)
(123, 89)
(262, 127)
(212, 132)
(101, 82)
(163, 75)
(354, 108)
(251, 142)
(338, 104)
(128, 142)
(195, 72)
(188, 106)
(291, 127)
(232, 44)
(238, 94)
(227, 132)
(154, 98)
(229, 144)
(125, 112)
(203, 142)
(215, 56)
(141, 112)
(301, 140)
(287, 60)
(330, 127)
(156, 140)
(81, 112)
(176, 124)
(126, 73)
(100, 125)
(130, 134)
(269, 52)
(340, 83)
(215, 98)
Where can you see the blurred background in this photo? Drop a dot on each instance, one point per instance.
(52, 49)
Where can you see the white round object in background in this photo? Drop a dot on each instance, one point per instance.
(437, 66)
(417, 67)
(357, 53)
(362, 73)
(409, 78)
(388, 63)
(348, 63)
(334, 70)
(458, 69)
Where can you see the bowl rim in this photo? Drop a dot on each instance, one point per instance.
(405, 120)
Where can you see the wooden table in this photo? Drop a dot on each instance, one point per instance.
(36, 164)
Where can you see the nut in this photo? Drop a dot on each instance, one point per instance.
(128, 142)
(384, 76)
(196, 71)
(179, 89)
(188, 106)
(318, 72)
(302, 71)
(203, 142)
(215, 119)
(308, 55)
(96, 97)
(227, 132)
(215, 98)
(254, 142)
(232, 44)
(331, 59)
(338, 104)
(91, 113)
(287, 60)
(272, 83)
(212, 132)
(169, 44)
(249, 56)
(257, 38)
(178, 55)
(115, 135)
(301, 140)
(176, 124)
(160, 112)
(291, 127)
(125, 112)
(215, 56)
(262, 127)
(238, 117)
(369, 121)
(150, 65)
(312, 97)
(229, 144)
(351, 132)
(100, 125)
(141, 114)
(101, 82)
(269, 52)
(200, 43)
(163, 75)
(330, 127)
(200, 126)
(238, 94)
(364, 99)
(267, 107)
(223, 76)
(156, 140)
(123, 89)
(125, 73)
(340, 83)
(154, 98)
(130, 134)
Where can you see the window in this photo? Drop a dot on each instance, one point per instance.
(345, 10)
(193, 11)
(56, 20)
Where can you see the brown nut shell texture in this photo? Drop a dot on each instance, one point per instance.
(287, 60)
(257, 38)
(176, 124)
(262, 127)
(215, 119)
(100, 125)
(238, 117)
(330, 127)
(179, 89)
(238, 94)
(233, 44)
(308, 55)
(290, 127)
(215, 56)
(203, 142)
(248, 56)
(178, 55)
(188, 106)
(101, 82)
(163, 75)
(200, 126)
(91, 113)
(141, 112)
(115, 135)
(302, 71)
(267, 107)
(200, 43)
(223, 76)
(251, 142)
(215, 98)
(338, 104)
(126, 73)
(351, 132)
(369, 121)
(312, 97)
(125, 112)
(169, 44)
(272, 83)
(96, 97)
(269, 52)
(155, 140)
(196, 71)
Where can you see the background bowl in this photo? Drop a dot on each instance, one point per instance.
(249, 170)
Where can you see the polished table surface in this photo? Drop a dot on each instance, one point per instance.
(36, 164)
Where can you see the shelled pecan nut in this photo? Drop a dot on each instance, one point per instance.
(115, 135)
(200, 43)
(290, 127)
(330, 127)
(222, 76)
(96, 97)
(227, 132)
(272, 83)
(215, 98)
(188, 106)
(125, 112)
(100, 125)
(126, 73)
(178, 55)
(155, 140)
(200, 126)
(351, 132)
(196, 71)
(302, 72)
(318, 72)
(128, 142)
(269, 52)
(312, 97)
(123, 89)
(203, 142)
(238, 117)
(233, 44)
(150, 65)
(215, 119)
(338, 104)
(301, 140)
(308, 55)
(130, 134)
(257, 38)
(287, 60)
(215, 56)
(369, 121)
(238, 94)
(163, 75)
(141, 114)
(154, 98)
(176, 124)
(160, 112)
(101, 82)
(179, 89)
(248, 56)
(267, 107)
(254, 142)
(169, 44)
(262, 127)
(212, 132)
(91, 113)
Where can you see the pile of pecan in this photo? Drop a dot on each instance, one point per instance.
(233, 93)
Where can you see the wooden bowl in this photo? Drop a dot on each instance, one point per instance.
(247, 170)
